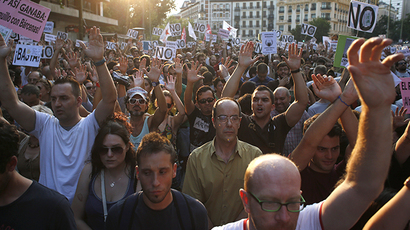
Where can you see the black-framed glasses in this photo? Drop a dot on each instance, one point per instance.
(140, 101)
(225, 118)
(117, 150)
(273, 206)
(205, 100)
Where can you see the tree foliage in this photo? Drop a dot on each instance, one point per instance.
(323, 28)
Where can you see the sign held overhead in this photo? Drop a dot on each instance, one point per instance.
(308, 30)
(362, 16)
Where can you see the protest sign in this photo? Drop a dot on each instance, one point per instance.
(123, 45)
(62, 35)
(14, 36)
(164, 53)
(132, 33)
(191, 44)
(214, 38)
(175, 29)
(393, 50)
(278, 33)
(288, 38)
(157, 31)
(77, 43)
(333, 45)
(110, 46)
(300, 45)
(308, 30)
(362, 16)
(146, 45)
(49, 27)
(236, 41)
(5, 32)
(405, 51)
(343, 45)
(27, 55)
(258, 48)
(50, 38)
(405, 93)
(24, 17)
(224, 34)
(268, 43)
(201, 28)
(181, 43)
(171, 44)
(47, 52)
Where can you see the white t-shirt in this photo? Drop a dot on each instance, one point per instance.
(63, 153)
(308, 220)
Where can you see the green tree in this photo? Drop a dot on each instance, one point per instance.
(296, 32)
(323, 28)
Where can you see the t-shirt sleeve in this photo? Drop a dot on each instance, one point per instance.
(199, 214)
(41, 120)
(309, 218)
(63, 216)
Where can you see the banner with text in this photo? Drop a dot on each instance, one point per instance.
(27, 55)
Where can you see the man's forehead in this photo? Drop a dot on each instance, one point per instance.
(62, 89)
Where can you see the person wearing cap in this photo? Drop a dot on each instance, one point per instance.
(137, 102)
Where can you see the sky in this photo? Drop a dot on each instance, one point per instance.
(178, 4)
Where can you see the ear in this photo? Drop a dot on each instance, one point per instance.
(174, 170)
(79, 101)
(273, 107)
(213, 122)
(11, 166)
(137, 172)
(245, 200)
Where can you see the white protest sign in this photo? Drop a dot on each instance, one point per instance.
(50, 38)
(77, 43)
(191, 44)
(308, 30)
(224, 34)
(393, 50)
(5, 32)
(14, 36)
(62, 35)
(288, 38)
(300, 44)
(110, 45)
(269, 42)
(164, 53)
(214, 38)
(49, 27)
(27, 55)
(362, 16)
(171, 44)
(132, 33)
(47, 52)
(258, 48)
(201, 28)
(123, 45)
(405, 51)
(175, 29)
(333, 45)
(181, 43)
(157, 31)
(24, 17)
(278, 33)
(236, 41)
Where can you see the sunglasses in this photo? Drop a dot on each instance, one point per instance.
(209, 100)
(401, 63)
(169, 105)
(114, 150)
(140, 101)
(90, 87)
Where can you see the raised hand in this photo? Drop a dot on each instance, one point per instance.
(138, 79)
(294, 57)
(72, 59)
(4, 49)
(178, 65)
(95, 48)
(245, 55)
(155, 71)
(350, 93)
(192, 74)
(399, 117)
(326, 87)
(59, 44)
(123, 64)
(81, 74)
(170, 86)
(372, 77)
(143, 63)
(94, 75)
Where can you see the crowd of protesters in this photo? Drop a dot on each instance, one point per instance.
(89, 118)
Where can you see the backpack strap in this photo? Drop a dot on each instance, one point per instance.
(130, 203)
(183, 210)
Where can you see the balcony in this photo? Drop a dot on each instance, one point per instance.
(243, 16)
(281, 11)
(305, 20)
(298, 10)
(243, 26)
(326, 8)
(313, 8)
(250, 16)
(290, 11)
(258, 16)
(237, 18)
(271, 16)
(250, 7)
(297, 20)
(306, 9)
(289, 20)
(244, 8)
(327, 18)
(237, 9)
(258, 7)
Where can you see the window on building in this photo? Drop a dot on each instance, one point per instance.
(257, 32)
(264, 23)
(263, 13)
(313, 16)
(298, 8)
(243, 33)
(214, 15)
(258, 5)
(237, 4)
(289, 18)
(281, 17)
(281, 27)
(251, 14)
(227, 6)
(244, 5)
(289, 27)
(313, 6)
(257, 24)
(244, 23)
(251, 5)
(222, 6)
(244, 14)
(307, 7)
(326, 16)
(257, 14)
(250, 32)
(326, 5)
(290, 9)
(250, 23)
(228, 15)
(306, 17)
(281, 9)
(264, 4)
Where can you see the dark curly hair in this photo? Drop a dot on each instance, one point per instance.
(153, 143)
(116, 124)
(9, 143)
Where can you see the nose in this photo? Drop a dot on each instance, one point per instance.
(155, 181)
(109, 153)
(328, 154)
(282, 215)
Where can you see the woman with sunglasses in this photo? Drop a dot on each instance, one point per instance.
(109, 178)
(45, 89)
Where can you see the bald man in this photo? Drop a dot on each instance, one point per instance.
(272, 202)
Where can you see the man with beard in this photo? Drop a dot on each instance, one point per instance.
(157, 206)
(272, 196)
(215, 170)
(401, 69)
(137, 101)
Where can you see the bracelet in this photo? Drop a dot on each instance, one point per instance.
(155, 83)
(342, 101)
(295, 71)
(98, 63)
(407, 183)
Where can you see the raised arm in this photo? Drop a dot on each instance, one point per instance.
(394, 215)
(192, 77)
(178, 69)
(245, 60)
(368, 167)
(23, 114)
(403, 146)
(179, 118)
(326, 88)
(109, 95)
(53, 62)
(159, 114)
(296, 109)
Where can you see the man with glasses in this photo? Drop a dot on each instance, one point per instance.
(401, 69)
(137, 105)
(199, 113)
(215, 170)
(272, 182)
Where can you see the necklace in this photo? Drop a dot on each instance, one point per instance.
(113, 183)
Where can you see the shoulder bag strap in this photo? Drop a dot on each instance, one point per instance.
(104, 201)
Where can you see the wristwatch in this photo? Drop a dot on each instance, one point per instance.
(155, 83)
